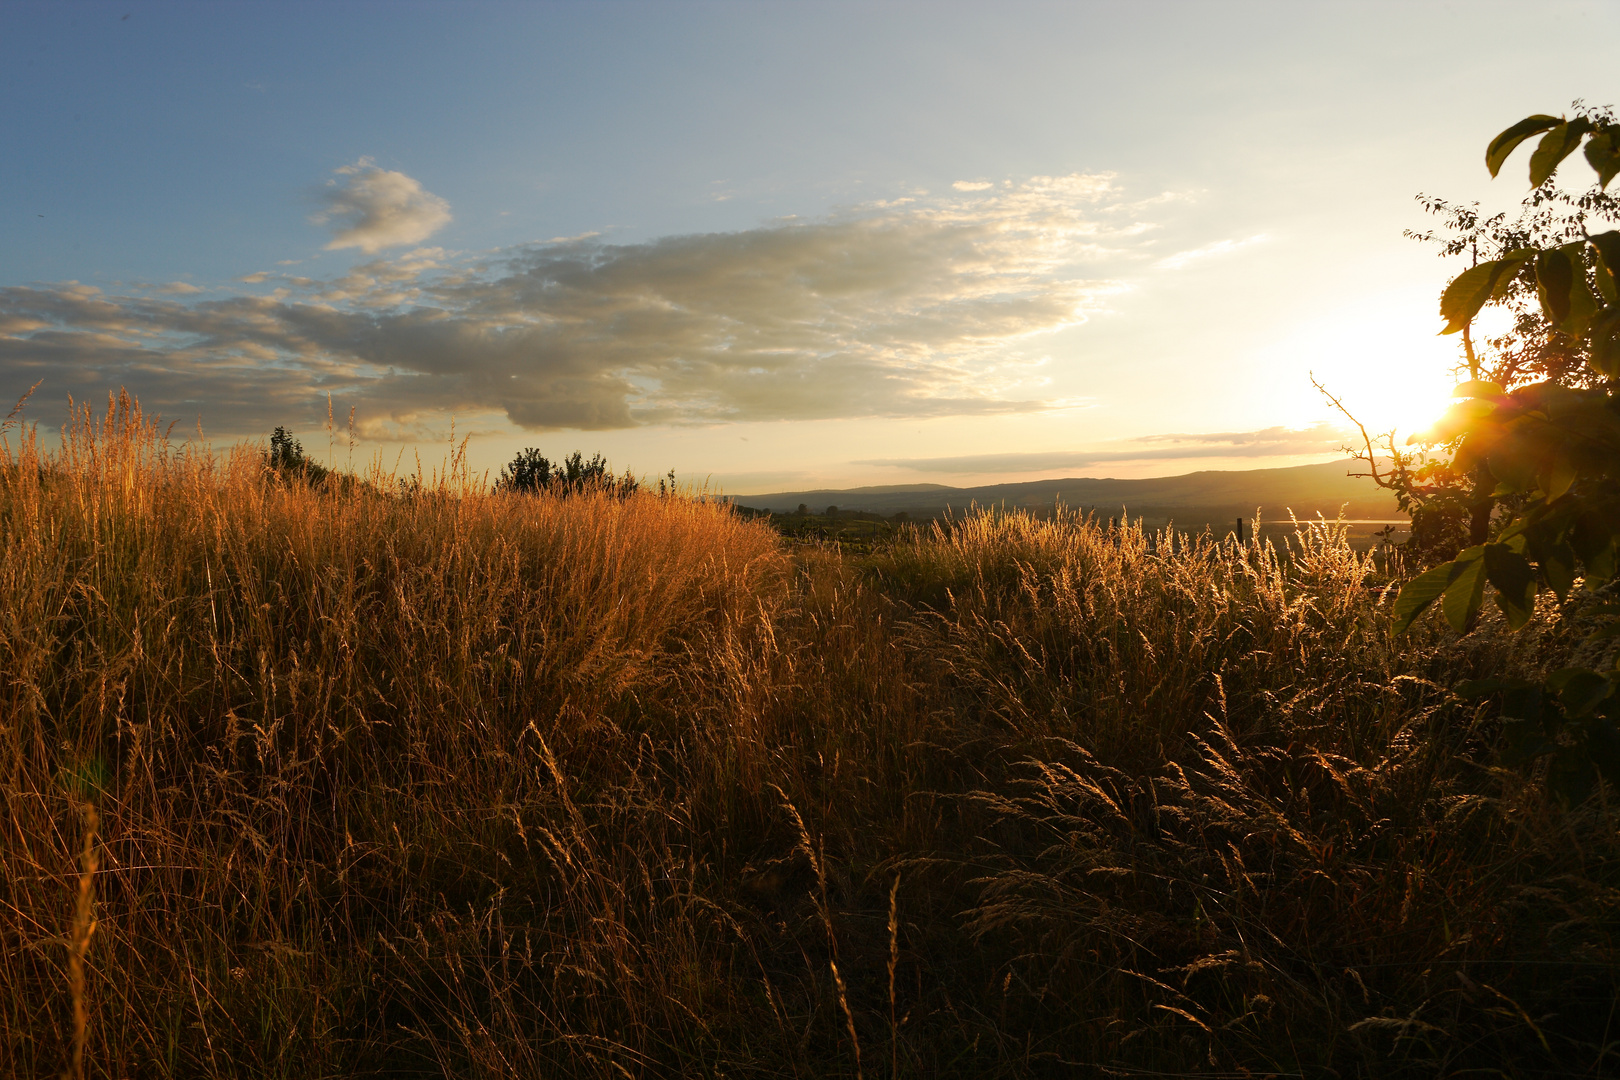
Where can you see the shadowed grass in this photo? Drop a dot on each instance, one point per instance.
(452, 783)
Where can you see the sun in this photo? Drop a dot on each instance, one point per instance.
(1414, 414)
(1403, 393)
(1383, 361)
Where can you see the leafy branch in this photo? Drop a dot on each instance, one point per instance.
(1549, 449)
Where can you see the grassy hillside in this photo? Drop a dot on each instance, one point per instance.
(335, 781)
(1192, 500)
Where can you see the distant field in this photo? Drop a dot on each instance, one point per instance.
(372, 778)
(858, 531)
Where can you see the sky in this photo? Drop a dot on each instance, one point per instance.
(767, 246)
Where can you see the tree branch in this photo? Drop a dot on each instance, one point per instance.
(1372, 459)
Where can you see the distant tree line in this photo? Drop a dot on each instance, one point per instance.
(831, 513)
(529, 473)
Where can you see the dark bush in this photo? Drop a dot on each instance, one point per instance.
(286, 458)
(531, 472)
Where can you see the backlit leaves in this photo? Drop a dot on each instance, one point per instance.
(1477, 388)
(1514, 580)
(1505, 143)
(1459, 585)
(1475, 287)
(1465, 593)
(1430, 586)
(1566, 295)
(1555, 275)
(1603, 154)
(1579, 690)
(1562, 138)
(1608, 264)
(1551, 451)
(1554, 147)
(1605, 335)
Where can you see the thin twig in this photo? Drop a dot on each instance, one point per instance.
(1372, 461)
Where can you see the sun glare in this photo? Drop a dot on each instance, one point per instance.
(1385, 363)
(1410, 414)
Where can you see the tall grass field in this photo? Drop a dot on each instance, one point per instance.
(356, 778)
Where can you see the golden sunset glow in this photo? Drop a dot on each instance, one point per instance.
(760, 291)
(854, 538)
(1383, 361)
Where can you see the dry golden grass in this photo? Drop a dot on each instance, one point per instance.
(361, 779)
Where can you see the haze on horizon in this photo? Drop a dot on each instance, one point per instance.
(769, 247)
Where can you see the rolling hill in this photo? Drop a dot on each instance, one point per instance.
(1191, 500)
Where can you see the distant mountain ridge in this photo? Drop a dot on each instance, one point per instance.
(1191, 499)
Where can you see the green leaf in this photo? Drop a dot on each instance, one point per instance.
(1560, 476)
(1608, 249)
(1593, 542)
(1481, 434)
(1582, 304)
(1511, 464)
(1474, 388)
(1608, 245)
(1605, 334)
(1469, 410)
(1472, 689)
(1557, 563)
(1554, 147)
(1603, 154)
(1512, 263)
(1515, 583)
(1465, 594)
(1421, 591)
(1601, 566)
(1554, 278)
(1471, 290)
(1505, 143)
(1579, 690)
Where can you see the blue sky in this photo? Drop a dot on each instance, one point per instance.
(773, 245)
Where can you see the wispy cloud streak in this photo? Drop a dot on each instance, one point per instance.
(1182, 259)
(1267, 442)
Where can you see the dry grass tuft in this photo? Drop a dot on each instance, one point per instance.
(363, 777)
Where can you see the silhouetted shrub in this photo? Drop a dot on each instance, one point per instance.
(287, 459)
(531, 472)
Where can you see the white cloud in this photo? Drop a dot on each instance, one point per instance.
(178, 288)
(918, 307)
(374, 208)
(1208, 251)
(972, 185)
